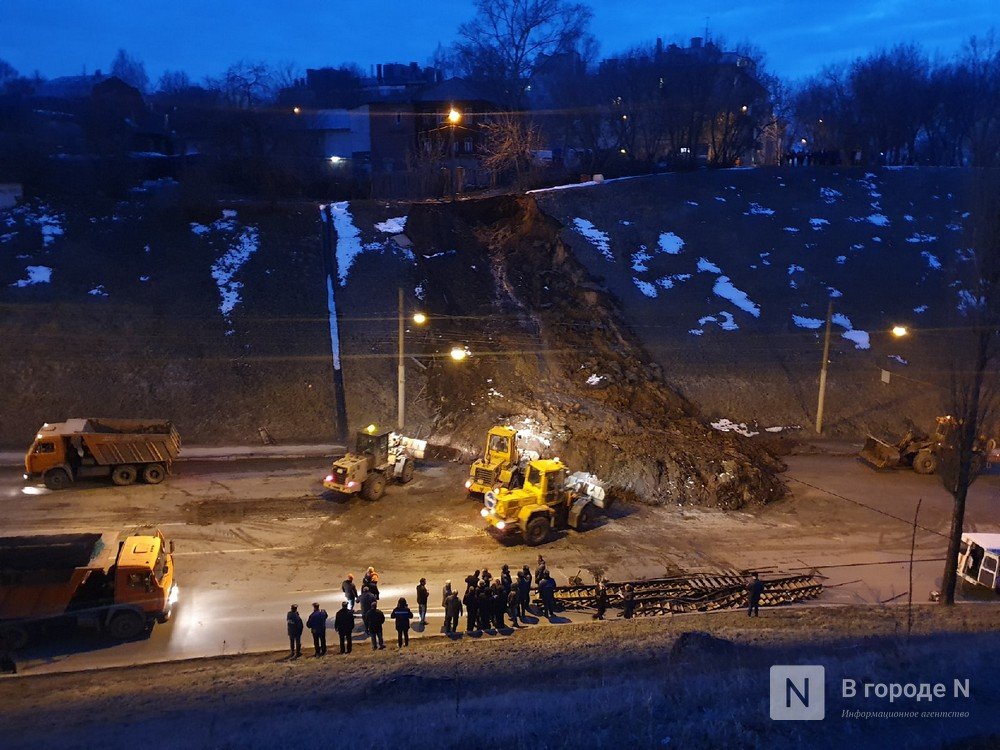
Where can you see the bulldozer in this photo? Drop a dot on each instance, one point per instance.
(919, 451)
(378, 458)
(550, 498)
(503, 463)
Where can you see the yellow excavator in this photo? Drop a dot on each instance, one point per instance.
(502, 465)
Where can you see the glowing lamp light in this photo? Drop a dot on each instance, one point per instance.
(352, 483)
(370, 429)
(297, 110)
(622, 151)
(899, 331)
(454, 116)
(484, 512)
(175, 594)
(458, 354)
(336, 159)
(501, 525)
(419, 318)
(329, 478)
(468, 484)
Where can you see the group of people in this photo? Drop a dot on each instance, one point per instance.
(486, 602)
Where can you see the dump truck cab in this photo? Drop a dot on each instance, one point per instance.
(550, 498)
(48, 451)
(144, 577)
(979, 561)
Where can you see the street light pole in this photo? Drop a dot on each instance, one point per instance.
(400, 371)
(822, 373)
(454, 117)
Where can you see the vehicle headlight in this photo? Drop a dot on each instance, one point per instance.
(484, 512)
(174, 595)
(468, 483)
(501, 525)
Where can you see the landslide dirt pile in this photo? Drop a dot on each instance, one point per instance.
(551, 356)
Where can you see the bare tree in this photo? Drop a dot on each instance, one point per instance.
(508, 39)
(131, 70)
(245, 84)
(509, 145)
(173, 82)
(975, 390)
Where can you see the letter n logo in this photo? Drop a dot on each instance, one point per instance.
(798, 693)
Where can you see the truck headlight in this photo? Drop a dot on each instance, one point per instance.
(468, 482)
(174, 595)
(501, 525)
(483, 512)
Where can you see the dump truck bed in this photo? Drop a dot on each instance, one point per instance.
(39, 575)
(121, 441)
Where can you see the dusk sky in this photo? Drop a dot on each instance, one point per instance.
(64, 37)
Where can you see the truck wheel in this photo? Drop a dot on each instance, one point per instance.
(373, 487)
(13, 637)
(57, 479)
(537, 531)
(406, 475)
(125, 626)
(153, 473)
(925, 462)
(123, 475)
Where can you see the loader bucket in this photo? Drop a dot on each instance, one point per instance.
(879, 454)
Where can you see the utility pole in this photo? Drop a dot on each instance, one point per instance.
(400, 371)
(822, 372)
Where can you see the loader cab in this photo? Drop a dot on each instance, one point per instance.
(979, 560)
(375, 445)
(546, 478)
(499, 446)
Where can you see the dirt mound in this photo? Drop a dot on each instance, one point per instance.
(552, 357)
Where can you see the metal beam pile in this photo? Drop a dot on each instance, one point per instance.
(701, 592)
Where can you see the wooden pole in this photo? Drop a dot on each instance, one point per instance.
(822, 373)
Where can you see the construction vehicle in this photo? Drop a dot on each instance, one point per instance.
(120, 583)
(502, 465)
(550, 498)
(979, 560)
(124, 449)
(378, 458)
(916, 450)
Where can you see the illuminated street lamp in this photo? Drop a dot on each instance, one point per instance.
(458, 353)
(419, 318)
(297, 110)
(454, 117)
(899, 331)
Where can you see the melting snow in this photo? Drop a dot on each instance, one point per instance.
(348, 239)
(725, 425)
(696, 332)
(817, 224)
(705, 265)
(645, 287)
(860, 338)
(392, 226)
(596, 379)
(907, 217)
(670, 243)
(724, 319)
(793, 268)
(143, 278)
(720, 199)
(898, 359)
(225, 269)
(419, 291)
(829, 194)
(725, 289)
(804, 322)
(758, 210)
(932, 261)
(639, 259)
(35, 275)
(841, 259)
(917, 237)
(920, 309)
(790, 229)
(668, 282)
(98, 291)
(693, 203)
(879, 220)
(968, 302)
(597, 238)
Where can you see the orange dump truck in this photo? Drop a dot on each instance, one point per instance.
(119, 583)
(124, 449)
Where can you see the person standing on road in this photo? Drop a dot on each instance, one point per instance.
(754, 591)
(540, 571)
(375, 620)
(343, 623)
(445, 592)
(471, 609)
(422, 596)
(512, 607)
(294, 623)
(628, 602)
(485, 602)
(523, 591)
(487, 577)
(498, 603)
(350, 590)
(402, 615)
(472, 582)
(506, 581)
(452, 611)
(317, 626)
(367, 601)
(602, 600)
(547, 590)
(371, 581)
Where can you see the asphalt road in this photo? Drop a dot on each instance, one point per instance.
(254, 536)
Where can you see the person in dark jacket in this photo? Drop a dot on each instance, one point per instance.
(628, 603)
(343, 623)
(547, 590)
(294, 624)
(754, 590)
(317, 626)
(402, 615)
(367, 601)
(486, 576)
(350, 590)
(512, 607)
(375, 619)
(452, 611)
(471, 602)
(422, 597)
(540, 571)
(445, 592)
(472, 582)
(506, 581)
(371, 581)
(602, 601)
(485, 602)
(523, 591)
(498, 604)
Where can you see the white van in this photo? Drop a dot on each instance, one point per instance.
(979, 560)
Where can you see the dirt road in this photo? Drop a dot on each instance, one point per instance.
(254, 536)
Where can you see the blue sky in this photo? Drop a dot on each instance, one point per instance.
(64, 37)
